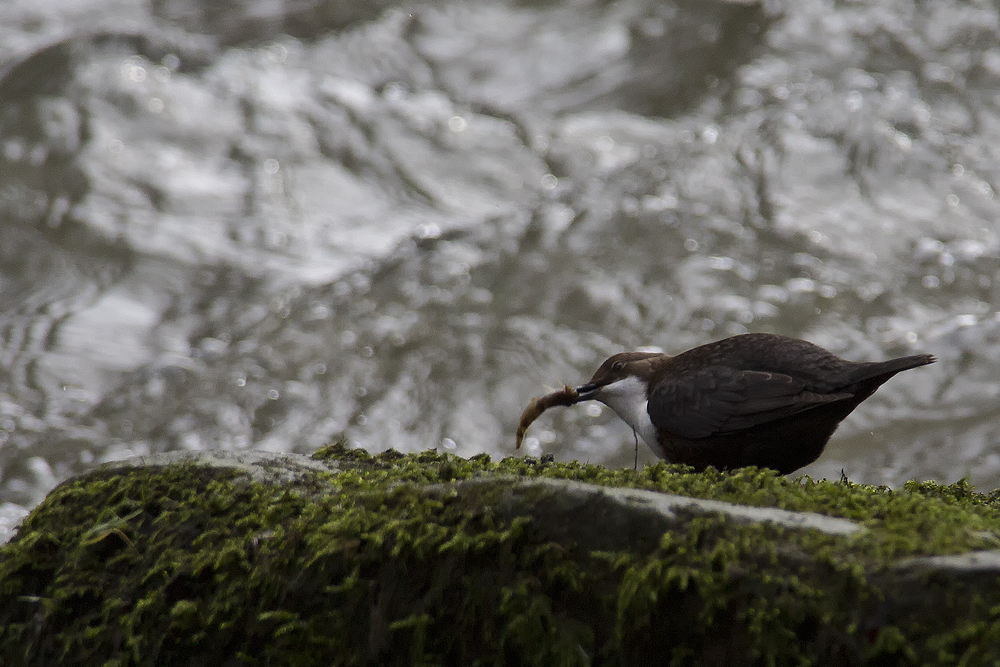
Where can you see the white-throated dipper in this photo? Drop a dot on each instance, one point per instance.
(750, 400)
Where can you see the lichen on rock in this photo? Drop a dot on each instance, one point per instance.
(351, 559)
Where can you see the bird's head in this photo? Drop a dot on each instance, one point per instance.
(621, 372)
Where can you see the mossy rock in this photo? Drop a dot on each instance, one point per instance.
(428, 559)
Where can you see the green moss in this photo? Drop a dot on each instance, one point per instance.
(921, 518)
(191, 565)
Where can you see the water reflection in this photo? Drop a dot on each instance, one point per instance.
(399, 226)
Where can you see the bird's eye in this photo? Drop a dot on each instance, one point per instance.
(618, 365)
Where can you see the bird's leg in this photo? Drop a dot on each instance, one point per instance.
(636, 436)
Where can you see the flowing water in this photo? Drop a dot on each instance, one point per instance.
(271, 225)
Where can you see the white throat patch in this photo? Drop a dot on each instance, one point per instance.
(627, 398)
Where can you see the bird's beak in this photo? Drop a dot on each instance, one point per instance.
(587, 391)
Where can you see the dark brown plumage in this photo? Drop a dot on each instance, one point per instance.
(750, 400)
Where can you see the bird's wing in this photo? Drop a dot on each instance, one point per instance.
(719, 399)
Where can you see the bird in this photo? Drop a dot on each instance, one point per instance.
(749, 400)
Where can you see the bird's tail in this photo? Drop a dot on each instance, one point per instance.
(894, 366)
(869, 376)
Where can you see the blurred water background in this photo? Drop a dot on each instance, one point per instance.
(247, 224)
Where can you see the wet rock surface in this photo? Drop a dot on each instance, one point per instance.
(261, 558)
